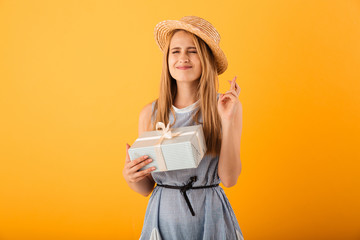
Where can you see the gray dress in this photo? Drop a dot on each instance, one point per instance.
(168, 216)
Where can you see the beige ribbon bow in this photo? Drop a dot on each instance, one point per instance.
(165, 133)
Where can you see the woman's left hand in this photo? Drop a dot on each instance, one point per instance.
(229, 105)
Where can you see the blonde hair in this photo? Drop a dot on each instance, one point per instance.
(206, 93)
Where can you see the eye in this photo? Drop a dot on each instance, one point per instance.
(193, 52)
(175, 52)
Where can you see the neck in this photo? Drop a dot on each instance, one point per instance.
(186, 94)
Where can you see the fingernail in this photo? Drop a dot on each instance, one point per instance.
(153, 168)
(150, 160)
(145, 157)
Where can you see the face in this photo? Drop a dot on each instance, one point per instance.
(184, 61)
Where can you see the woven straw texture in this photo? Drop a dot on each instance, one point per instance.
(199, 27)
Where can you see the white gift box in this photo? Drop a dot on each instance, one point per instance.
(170, 149)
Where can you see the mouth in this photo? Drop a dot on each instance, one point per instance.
(183, 68)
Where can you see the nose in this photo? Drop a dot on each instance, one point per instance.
(184, 58)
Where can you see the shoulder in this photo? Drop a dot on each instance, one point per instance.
(145, 118)
(146, 111)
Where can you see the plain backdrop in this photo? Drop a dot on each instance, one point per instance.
(74, 76)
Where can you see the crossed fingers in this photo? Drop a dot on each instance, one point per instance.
(234, 88)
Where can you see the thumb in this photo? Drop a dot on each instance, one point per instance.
(220, 97)
(127, 159)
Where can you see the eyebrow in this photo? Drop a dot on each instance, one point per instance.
(180, 48)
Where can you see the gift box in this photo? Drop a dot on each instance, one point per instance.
(170, 149)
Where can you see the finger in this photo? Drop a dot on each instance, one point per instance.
(237, 88)
(233, 92)
(138, 179)
(229, 95)
(222, 97)
(137, 161)
(233, 83)
(137, 167)
(143, 172)
(225, 98)
(127, 159)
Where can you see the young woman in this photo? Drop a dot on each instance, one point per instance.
(189, 203)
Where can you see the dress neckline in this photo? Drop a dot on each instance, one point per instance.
(186, 109)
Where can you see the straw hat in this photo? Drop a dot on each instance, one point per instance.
(198, 26)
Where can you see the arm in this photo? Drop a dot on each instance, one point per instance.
(140, 181)
(230, 111)
(229, 167)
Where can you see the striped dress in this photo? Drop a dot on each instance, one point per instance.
(168, 216)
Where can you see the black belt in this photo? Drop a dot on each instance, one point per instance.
(188, 186)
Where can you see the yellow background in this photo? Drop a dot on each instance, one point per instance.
(75, 75)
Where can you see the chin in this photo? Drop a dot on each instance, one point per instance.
(185, 78)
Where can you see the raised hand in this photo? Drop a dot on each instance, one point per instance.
(229, 105)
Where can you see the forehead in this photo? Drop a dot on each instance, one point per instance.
(182, 38)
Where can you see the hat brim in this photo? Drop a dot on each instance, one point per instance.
(163, 29)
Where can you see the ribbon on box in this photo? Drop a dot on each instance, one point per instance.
(165, 132)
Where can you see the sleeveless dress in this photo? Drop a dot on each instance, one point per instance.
(168, 216)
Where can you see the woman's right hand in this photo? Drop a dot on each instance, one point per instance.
(131, 172)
